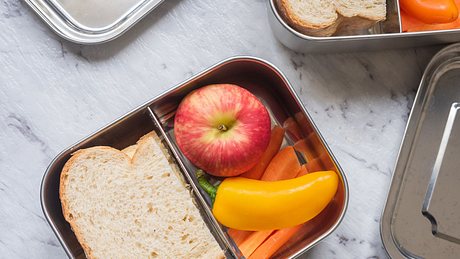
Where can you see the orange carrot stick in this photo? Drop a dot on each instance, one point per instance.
(315, 165)
(239, 236)
(279, 237)
(274, 242)
(256, 172)
(276, 140)
(305, 147)
(285, 165)
(292, 128)
(315, 142)
(302, 171)
(253, 241)
(310, 146)
(303, 123)
(326, 160)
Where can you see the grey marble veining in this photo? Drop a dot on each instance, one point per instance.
(52, 93)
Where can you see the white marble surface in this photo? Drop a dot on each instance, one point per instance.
(52, 93)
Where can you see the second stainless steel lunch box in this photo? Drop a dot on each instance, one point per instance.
(385, 35)
(422, 213)
(256, 75)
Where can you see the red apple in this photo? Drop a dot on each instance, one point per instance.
(222, 129)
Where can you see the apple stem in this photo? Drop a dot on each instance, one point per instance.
(222, 127)
(206, 185)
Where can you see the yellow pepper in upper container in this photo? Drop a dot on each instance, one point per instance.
(429, 15)
(431, 11)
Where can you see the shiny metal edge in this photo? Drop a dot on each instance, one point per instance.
(399, 16)
(386, 232)
(426, 211)
(303, 109)
(295, 40)
(334, 159)
(146, 105)
(341, 38)
(439, 158)
(67, 30)
(43, 205)
(339, 168)
(58, 157)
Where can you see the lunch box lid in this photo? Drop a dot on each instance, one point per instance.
(421, 218)
(91, 21)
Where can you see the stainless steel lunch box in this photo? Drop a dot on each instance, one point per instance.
(91, 21)
(422, 213)
(384, 35)
(256, 75)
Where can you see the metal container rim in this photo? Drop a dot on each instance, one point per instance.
(386, 233)
(175, 87)
(83, 36)
(354, 37)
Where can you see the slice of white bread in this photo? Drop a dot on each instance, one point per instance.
(130, 150)
(120, 207)
(328, 17)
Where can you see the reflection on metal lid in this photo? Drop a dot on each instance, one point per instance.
(422, 215)
(96, 14)
(91, 21)
(441, 204)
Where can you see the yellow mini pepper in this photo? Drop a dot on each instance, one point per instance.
(248, 204)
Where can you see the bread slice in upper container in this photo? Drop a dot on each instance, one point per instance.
(331, 17)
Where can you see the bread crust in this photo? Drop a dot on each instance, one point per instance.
(62, 189)
(322, 29)
(64, 180)
(344, 24)
(130, 150)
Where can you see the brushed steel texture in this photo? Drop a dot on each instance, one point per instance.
(384, 35)
(91, 21)
(258, 76)
(421, 215)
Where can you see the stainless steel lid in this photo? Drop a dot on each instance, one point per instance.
(422, 215)
(91, 21)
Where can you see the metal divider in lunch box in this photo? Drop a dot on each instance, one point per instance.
(256, 75)
(421, 218)
(91, 21)
(384, 35)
